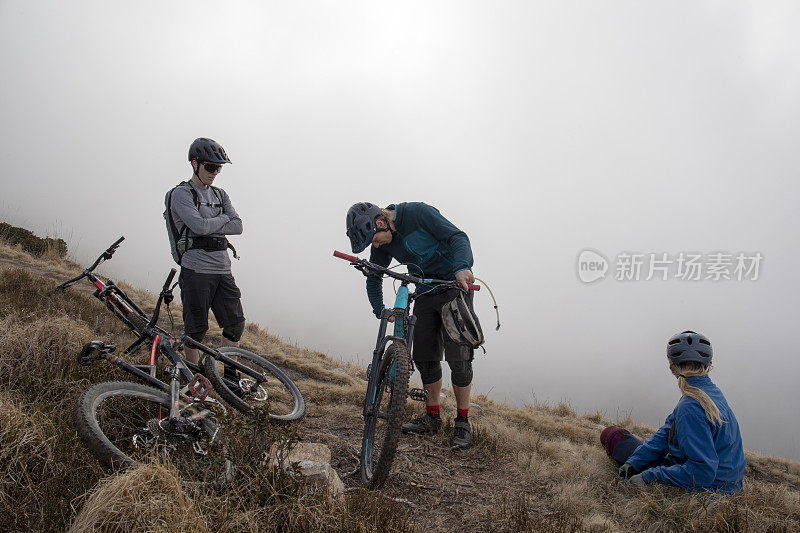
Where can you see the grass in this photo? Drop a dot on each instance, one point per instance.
(532, 468)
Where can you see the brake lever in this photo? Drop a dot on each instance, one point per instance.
(368, 272)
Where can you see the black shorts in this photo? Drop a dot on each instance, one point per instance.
(201, 292)
(430, 339)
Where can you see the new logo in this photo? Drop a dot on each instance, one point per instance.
(591, 266)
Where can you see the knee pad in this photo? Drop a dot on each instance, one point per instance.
(460, 373)
(233, 333)
(429, 371)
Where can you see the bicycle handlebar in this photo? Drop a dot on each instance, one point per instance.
(170, 277)
(340, 255)
(104, 256)
(364, 264)
(164, 291)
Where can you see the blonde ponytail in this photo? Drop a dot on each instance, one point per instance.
(690, 369)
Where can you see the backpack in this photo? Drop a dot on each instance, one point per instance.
(461, 323)
(179, 241)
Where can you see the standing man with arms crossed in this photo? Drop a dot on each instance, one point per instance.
(416, 234)
(203, 215)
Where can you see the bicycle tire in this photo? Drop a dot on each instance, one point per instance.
(382, 428)
(285, 400)
(91, 409)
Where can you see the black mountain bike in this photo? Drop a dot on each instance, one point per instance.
(122, 422)
(387, 387)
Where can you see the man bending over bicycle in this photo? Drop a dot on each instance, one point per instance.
(203, 215)
(417, 235)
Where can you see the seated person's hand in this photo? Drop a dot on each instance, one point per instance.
(636, 481)
(626, 471)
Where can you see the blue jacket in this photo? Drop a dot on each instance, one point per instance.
(702, 456)
(425, 239)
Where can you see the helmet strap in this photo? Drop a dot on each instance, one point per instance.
(197, 173)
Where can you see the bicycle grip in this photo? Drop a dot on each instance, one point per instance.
(474, 287)
(170, 277)
(117, 242)
(340, 255)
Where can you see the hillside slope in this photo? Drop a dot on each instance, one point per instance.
(535, 468)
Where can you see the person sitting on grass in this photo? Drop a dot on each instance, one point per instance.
(700, 446)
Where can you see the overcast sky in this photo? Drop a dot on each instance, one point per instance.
(539, 128)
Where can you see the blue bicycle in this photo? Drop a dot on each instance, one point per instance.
(387, 387)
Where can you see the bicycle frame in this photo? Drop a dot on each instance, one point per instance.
(403, 332)
(161, 341)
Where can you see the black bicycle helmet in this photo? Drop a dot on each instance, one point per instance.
(689, 346)
(208, 151)
(361, 225)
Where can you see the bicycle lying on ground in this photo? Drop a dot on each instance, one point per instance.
(387, 386)
(122, 422)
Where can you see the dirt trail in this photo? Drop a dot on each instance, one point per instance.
(445, 489)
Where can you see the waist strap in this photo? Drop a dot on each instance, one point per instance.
(211, 244)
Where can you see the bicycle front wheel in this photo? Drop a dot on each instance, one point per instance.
(385, 411)
(278, 393)
(123, 423)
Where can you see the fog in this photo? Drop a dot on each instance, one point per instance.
(539, 128)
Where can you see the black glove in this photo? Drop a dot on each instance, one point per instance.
(626, 471)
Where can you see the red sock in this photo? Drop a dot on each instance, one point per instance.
(432, 410)
(462, 413)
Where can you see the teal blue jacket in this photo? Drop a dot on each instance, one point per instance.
(705, 456)
(429, 243)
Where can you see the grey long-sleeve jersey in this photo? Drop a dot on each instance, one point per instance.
(204, 220)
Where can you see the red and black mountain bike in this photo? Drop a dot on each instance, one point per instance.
(122, 422)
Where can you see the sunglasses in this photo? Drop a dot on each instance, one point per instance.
(211, 167)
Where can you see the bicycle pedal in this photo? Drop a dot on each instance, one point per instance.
(419, 395)
(199, 387)
(93, 351)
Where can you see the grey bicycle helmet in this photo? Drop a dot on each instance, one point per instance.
(461, 323)
(689, 346)
(208, 151)
(361, 225)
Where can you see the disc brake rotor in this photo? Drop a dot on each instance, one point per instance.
(260, 394)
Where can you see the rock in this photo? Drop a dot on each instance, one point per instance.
(322, 474)
(312, 461)
(302, 451)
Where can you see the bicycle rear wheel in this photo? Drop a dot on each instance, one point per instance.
(123, 423)
(279, 393)
(385, 415)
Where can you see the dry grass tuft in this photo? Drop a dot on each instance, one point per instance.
(37, 358)
(43, 468)
(147, 498)
(25, 453)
